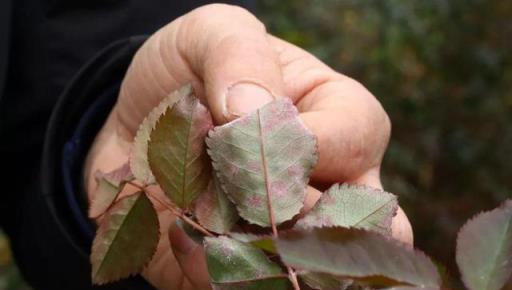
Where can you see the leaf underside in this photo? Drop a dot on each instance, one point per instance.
(214, 210)
(139, 154)
(263, 162)
(125, 240)
(359, 255)
(176, 150)
(239, 266)
(484, 249)
(109, 185)
(353, 206)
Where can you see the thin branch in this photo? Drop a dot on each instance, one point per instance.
(293, 278)
(175, 210)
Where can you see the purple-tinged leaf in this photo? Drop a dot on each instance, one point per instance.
(359, 255)
(263, 161)
(139, 155)
(118, 251)
(109, 185)
(234, 265)
(356, 206)
(484, 249)
(214, 210)
(176, 150)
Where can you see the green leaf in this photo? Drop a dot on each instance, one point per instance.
(263, 161)
(357, 254)
(322, 281)
(263, 242)
(238, 266)
(139, 155)
(109, 185)
(484, 249)
(214, 210)
(353, 206)
(176, 150)
(125, 240)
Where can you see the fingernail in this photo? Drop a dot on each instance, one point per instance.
(245, 97)
(180, 240)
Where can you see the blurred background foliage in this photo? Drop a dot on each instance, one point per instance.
(443, 71)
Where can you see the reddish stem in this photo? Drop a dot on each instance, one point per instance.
(293, 278)
(174, 210)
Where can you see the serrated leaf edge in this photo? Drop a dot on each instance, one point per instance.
(138, 164)
(136, 271)
(505, 206)
(357, 186)
(404, 246)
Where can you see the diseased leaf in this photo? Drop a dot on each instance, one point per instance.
(176, 150)
(484, 249)
(263, 161)
(214, 210)
(109, 185)
(353, 206)
(234, 265)
(125, 240)
(322, 281)
(357, 254)
(139, 155)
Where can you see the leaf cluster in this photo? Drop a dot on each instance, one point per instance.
(240, 188)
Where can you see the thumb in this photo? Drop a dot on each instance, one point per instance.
(231, 53)
(223, 50)
(191, 258)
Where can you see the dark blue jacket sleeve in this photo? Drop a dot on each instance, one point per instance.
(79, 114)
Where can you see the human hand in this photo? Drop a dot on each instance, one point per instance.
(236, 67)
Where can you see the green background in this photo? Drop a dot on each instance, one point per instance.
(443, 72)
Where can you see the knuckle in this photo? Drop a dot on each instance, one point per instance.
(381, 120)
(377, 122)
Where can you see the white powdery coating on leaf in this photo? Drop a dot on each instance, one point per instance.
(263, 161)
(139, 154)
(355, 205)
(236, 265)
(214, 210)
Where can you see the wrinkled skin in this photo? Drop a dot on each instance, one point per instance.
(235, 66)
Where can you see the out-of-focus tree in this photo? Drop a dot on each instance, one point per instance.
(443, 71)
